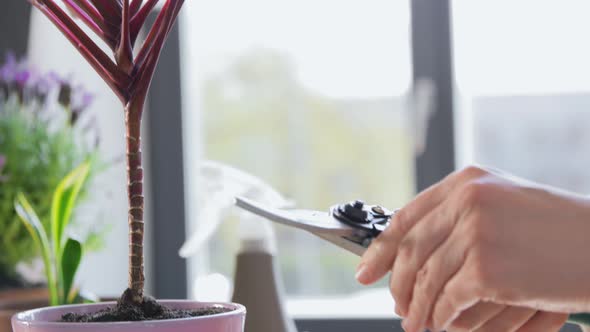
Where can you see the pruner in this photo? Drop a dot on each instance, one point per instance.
(351, 226)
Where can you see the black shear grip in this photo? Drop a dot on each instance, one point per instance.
(372, 219)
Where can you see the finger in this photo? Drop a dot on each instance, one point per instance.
(432, 277)
(476, 316)
(414, 250)
(544, 321)
(509, 320)
(379, 257)
(461, 292)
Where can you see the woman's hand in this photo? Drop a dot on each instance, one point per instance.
(492, 317)
(480, 237)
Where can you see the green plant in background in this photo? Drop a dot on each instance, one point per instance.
(43, 136)
(61, 254)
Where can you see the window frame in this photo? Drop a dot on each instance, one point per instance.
(15, 19)
(432, 60)
(168, 272)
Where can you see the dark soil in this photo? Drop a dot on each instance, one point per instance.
(149, 309)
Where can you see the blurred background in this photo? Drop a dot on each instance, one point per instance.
(329, 101)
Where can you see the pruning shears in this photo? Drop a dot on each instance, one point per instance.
(351, 226)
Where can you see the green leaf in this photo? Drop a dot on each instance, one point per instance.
(33, 225)
(64, 200)
(70, 261)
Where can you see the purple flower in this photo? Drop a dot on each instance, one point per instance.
(16, 77)
(37, 92)
(20, 79)
(16, 72)
(54, 78)
(9, 70)
(80, 101)
(43, 88)
(23, 77)
(81, 98)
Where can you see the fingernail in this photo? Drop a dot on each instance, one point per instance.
(360, 273)
(404, 325)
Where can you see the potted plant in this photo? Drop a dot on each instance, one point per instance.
(42, 122)
(118, 23)
(61, 253)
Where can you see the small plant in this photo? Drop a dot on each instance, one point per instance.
(61, 254)
(118, 23)
(44, 134)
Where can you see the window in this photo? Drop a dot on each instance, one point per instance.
(311, 97)
(523, 82)
(503, 72)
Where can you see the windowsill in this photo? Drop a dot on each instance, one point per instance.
(370, 304)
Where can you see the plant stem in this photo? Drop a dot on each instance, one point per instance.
(133, 112)
(139, 18)
(124, 51)
(118, 22)
(116, 78)
(51, 274)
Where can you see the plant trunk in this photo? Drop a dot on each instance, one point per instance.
(133, 110)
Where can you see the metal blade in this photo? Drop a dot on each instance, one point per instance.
(311, 221)
(343, 243)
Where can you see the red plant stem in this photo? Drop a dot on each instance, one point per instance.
(133, 112)
(123, 53)
(91, 11)
(140, 17)
(157, 31)
(110, 29)
(104, 66)
(92, 19)
(160, 29)
(110, 10)
(135, 5)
